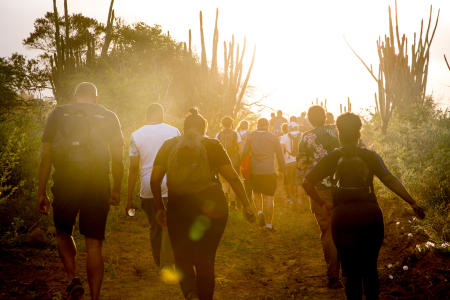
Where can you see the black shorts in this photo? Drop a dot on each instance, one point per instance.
(90, 201)
(265, 184)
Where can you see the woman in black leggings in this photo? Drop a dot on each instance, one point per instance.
(357, 220)
(197, 210)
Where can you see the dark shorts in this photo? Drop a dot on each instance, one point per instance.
(90, 202)
(265, 184)
(290, 176)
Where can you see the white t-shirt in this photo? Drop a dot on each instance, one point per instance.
(145, 143)
(287, 141)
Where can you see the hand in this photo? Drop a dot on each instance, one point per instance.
(161, 218)
(129, 206)
(114, 198)
(43, 204)
(248, 214)
(420, 213)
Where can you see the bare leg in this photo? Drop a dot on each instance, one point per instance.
(258, 201)
(67, 251)
(95, 266)
(268, 208)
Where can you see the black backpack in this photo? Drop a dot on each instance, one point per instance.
(352, 179)
(80, 142)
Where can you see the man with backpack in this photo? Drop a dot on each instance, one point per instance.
(230, 141)
(289, 143)
(78, 140)
(145, 143)
(314, 145)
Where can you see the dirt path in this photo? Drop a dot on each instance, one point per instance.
(250, 264)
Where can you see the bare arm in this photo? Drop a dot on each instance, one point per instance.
(312, 192)
(133, 174)
(45, 167)
(155, 184)
(395, 185)
(280, 157)
(117, 171)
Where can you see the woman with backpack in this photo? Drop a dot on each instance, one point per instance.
(197, 211)
(230, 140)
(357, 220)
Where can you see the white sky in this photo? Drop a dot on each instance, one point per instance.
(301, 53)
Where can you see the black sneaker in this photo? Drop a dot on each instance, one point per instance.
(261, 220)
(75, 290)
(334, 283)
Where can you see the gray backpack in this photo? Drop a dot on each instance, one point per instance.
(188, 169)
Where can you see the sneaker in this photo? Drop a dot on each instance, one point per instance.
(334, 283)
(269, 227)
(261, 220)
(75, 289)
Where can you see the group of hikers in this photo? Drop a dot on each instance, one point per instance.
(188, 182)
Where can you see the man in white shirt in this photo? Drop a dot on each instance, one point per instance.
(144, 144)
(289, 145)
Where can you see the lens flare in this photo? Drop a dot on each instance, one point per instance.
(201, 224)
(170, 275)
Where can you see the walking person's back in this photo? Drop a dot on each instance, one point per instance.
(278, 123)
(316, 144)
(77, 141)
(145, 143)
(289, 143)
(230, 140)
(356, 219)
(263, 147)
(196, 210)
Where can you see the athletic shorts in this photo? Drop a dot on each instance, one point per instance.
(83, 198)
(265, 184)
(290, 176)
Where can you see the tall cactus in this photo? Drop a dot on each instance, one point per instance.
(231, 84)
(214, 47)
(204, 63)
(401, 81)
(67, 60)
(109, 26)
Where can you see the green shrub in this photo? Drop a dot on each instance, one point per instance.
(20, 133)
(418, 152)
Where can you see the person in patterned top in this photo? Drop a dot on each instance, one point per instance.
(314, 145)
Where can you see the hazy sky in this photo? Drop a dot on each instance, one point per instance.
(301, 53)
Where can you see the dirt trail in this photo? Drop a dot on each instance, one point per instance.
(251, 263)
